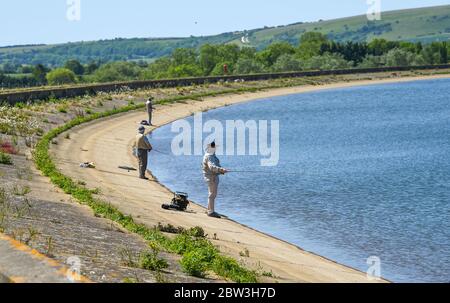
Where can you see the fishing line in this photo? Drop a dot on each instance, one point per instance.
(160, 152)
(260, 172)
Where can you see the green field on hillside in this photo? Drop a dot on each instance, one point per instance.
(422, 24)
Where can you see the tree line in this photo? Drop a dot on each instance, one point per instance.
(313, 52)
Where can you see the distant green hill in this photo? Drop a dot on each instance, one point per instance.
(423, 24)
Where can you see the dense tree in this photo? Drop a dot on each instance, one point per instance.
(371, 61)
(432, 53)
(26, 69)
(184, 56)
(13, 82)
(74, 66)
(219, 69)
(209, 56)
(61, 76)
(314, 51)
(116, 71)
(91, 67)
(444, 53)
(378, 47)
(184, 70)
(327, 62)
(401, 57)
(39, 74)
(248, 66)
(287, 63)
(228, 53)
(157, 70)
(350, 51)
(270, 55)
(249, 53)
(310, 44)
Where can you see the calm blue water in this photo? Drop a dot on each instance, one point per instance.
(363, 172)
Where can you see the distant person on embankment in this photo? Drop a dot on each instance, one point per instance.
(149, 107)
(211, 171)
(143, 147)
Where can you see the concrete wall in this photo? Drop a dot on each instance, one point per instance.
(73, 91)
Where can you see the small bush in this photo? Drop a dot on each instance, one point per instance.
(63, 108)
(170, 229)
(8, 148)
(130, 281)
(151, 261)
(5, 159)
(268, 274)
(230, 268)
(3, 195)
(193, 263)
(245, 253)
(197, 232)
(61, 76)
(39, 132)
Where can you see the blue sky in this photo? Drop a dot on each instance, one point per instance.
(45, 21)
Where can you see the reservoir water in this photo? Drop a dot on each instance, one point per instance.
(363, 171)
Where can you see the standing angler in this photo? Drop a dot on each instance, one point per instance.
(143, 147)
(211, 171)
(149, 106)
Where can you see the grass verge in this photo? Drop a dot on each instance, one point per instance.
(199, 254)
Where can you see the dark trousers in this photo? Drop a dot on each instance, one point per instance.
(143, 159)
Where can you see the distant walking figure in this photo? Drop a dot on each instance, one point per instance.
(149, 106)
(211, 171)
(143, 147)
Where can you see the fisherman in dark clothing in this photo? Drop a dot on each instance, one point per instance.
(143, 147)
(149, 107)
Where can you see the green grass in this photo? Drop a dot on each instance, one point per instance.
(195, 263)
(130, 281)
(63, 108)
(21, 191)
(426, 24)
(5, 159)
(191, 245)
(151, 261)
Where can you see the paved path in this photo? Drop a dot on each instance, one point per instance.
(30, 266)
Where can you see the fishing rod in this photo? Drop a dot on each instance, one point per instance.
(249, 172)
(160, 152)
(260, 172)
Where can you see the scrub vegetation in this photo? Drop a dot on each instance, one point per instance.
(5, 159)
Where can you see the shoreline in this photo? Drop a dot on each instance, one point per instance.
(286, 260)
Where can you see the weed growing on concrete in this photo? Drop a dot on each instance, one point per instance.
(21, 191)
(5, 159)
(151, 261)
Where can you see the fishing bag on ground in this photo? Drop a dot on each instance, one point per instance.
(179, 202)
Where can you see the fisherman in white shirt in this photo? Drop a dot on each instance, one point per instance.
(211, 172)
